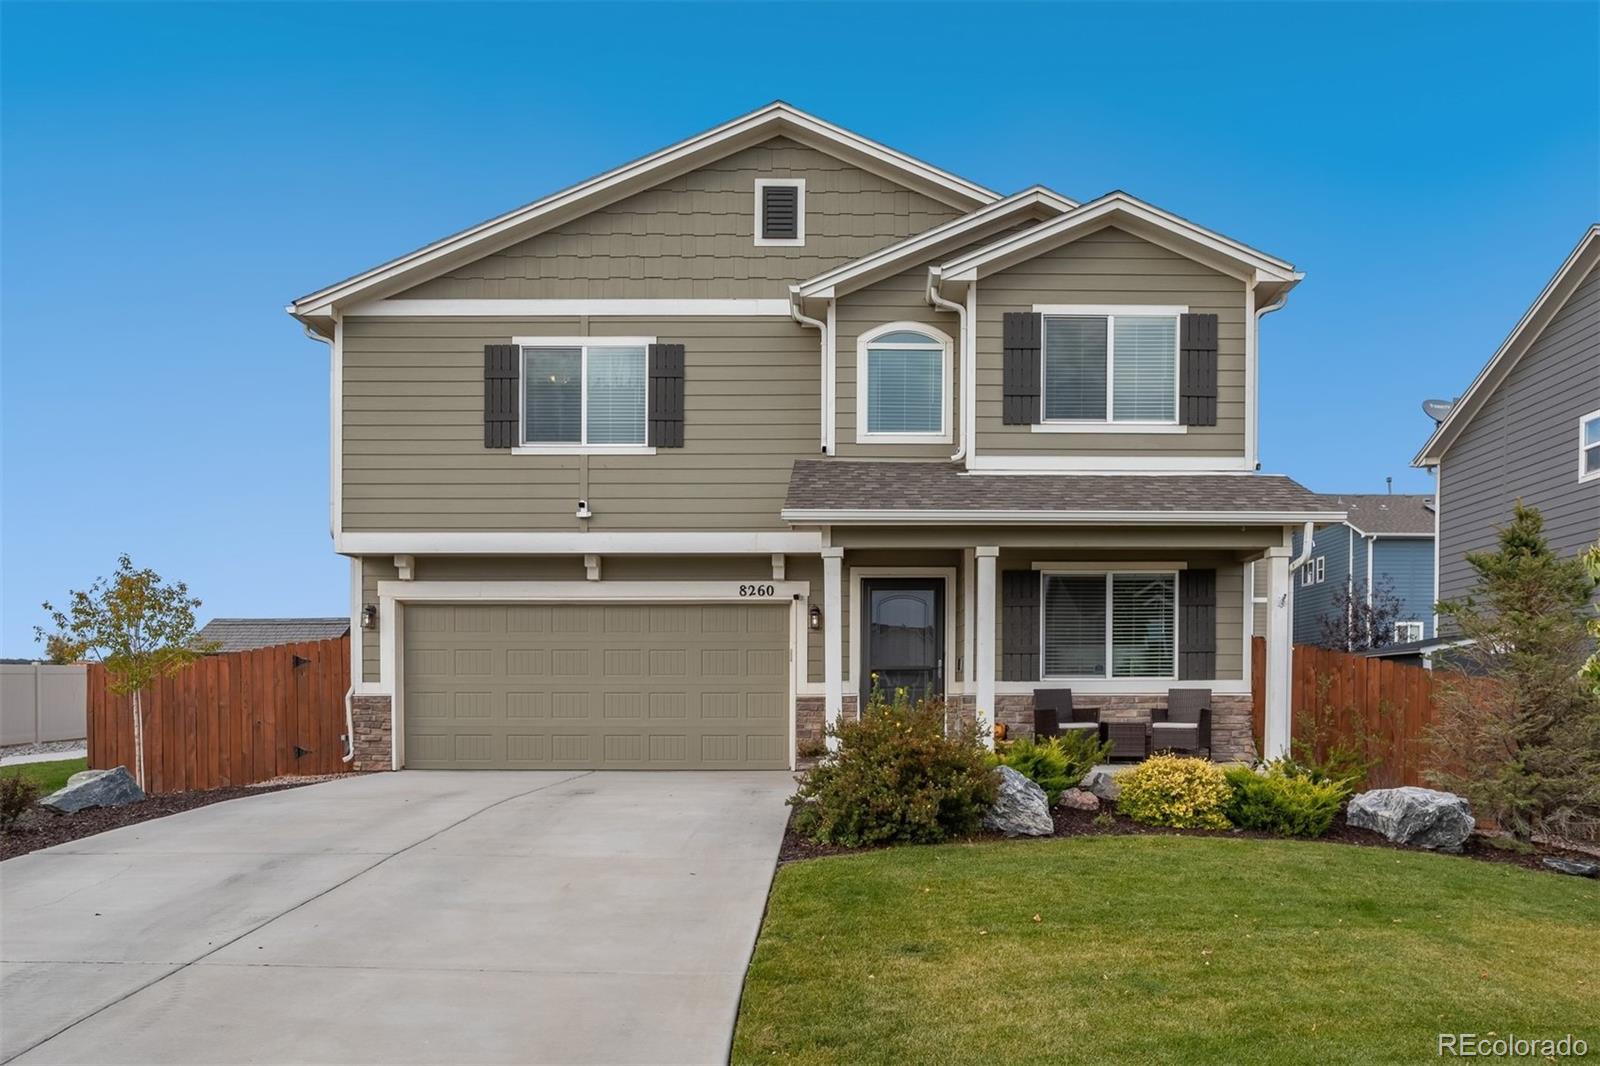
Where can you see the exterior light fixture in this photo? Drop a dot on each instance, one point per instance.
(369, 616)
(816, 617)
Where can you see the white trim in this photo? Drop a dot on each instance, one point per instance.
(357, 634)
(589, 195)
(590, 591)
(947, 574)
(577, 543)
(1582, 448)
(1119, 464)
(867, 342)
(1076, 518)
(1126, 686)
(1145, 569)
(1108, 427)
(581, 446)
(799, 239)
(1527, 330)
(1422, 631)
(1100, 567)
(988, 595)
(832, 640)
(1252, 400)
(470, 308)
(336, 432)
(1109, 310)
(969, 623)
(583, 449)
(1280, 646)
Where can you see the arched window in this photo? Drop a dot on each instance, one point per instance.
(903, 385)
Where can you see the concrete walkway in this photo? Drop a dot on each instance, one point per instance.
(43, 756)
(417, 917)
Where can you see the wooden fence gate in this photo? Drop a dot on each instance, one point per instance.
(231, 719)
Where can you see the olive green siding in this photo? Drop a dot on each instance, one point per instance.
(414, 459)
(692, 237)
(1112, 266)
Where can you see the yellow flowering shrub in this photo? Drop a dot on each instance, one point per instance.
(1176, 791)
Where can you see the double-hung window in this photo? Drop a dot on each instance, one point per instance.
(902, 384)
(1407, 632)
(584, 392)
(1589, 446)
(1111, 365)
(1117, 624)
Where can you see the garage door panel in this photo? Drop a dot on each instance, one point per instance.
(602, 686)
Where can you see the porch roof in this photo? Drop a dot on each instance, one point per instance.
(843, 491)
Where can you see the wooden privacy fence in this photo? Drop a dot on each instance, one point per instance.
(231, 719)
(1375, 707)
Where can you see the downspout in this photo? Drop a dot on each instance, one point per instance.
(822, 328)
(349, 725)
(1305, 553)
(960, 311)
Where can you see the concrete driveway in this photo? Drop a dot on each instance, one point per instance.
(479, 917)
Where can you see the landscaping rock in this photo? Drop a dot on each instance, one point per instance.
(1077, 799)
(1575, 867)
(1418, 817)
(1103, 783)
(94, 788)
(1021, 808)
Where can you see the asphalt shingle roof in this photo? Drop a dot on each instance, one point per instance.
(831, 484)
(243, 634)
(1386, 512)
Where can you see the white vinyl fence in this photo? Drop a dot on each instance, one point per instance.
(40, 701)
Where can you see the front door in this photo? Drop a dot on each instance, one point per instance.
(904, 640)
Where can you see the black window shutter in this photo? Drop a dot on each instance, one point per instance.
(780, 212)
(1197, 370)
(500, 379)
(1197, 625)
(665, 428)
(1021, 339)
(1019, 625)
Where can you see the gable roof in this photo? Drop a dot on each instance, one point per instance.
(1145, 220)
(885, 262)
(776, 119)
(244, 634)
(1386, 514)
(1549, 302)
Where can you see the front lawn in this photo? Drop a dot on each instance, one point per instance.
(49, 776)
(1162, 949)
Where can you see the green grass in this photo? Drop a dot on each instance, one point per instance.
(49, 776)
(1162, 949)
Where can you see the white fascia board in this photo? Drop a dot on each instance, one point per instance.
(751, 590)
(829, 285)
(744, 308)
(971, 266)
(1544, 308)
(775, 117)
(810, 516)
(642, 543)
(1113, 464)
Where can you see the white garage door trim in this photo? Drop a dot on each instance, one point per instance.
(394, 595)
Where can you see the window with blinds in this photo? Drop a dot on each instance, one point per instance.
(583, 395)
(1110, 625)
(904, 386)
(1111, 368)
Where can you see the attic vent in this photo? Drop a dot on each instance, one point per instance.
(780, 212)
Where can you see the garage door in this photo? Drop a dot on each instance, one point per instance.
(614, 686)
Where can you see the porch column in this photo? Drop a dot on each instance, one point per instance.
(1280, 648)
(985, 643)
(832, 637)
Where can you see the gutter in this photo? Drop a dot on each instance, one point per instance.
(827, 364)
(962, 353)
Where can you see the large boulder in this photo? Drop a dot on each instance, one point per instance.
(1103, 783)
(94, 788)
(1020, 809)
(1418, 817)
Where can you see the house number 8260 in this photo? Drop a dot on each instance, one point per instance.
(757, 590)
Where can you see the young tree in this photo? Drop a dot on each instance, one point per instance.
(1356, 624)
(1517, 732)
(139, 626)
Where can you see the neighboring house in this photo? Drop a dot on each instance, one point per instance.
(245, 634)
(1385, 544)
(1527, 428)
(661, 470)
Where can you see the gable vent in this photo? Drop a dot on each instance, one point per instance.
(780, 212)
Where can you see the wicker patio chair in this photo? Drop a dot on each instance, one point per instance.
(1184, 724)
(1055, 714)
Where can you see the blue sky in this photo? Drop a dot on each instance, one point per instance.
(173, 175)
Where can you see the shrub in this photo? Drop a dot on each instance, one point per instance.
(896, 778)
(1280, 800)
(1176, 791)
(17, 793)
(1056, 763)
(1343, 768)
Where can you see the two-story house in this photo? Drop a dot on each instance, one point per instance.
(1527, 429)
(1382, 552)
(663, 469)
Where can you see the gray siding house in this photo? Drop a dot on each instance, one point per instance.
(1527, 428)
(1385, 544)
(661, 470)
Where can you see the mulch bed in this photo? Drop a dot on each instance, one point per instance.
(41, 829)
(1071, 823)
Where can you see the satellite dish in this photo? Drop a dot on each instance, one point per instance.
(1438, 410)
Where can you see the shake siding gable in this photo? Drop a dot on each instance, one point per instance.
(693, 236)
(1523, 444)
(1112, 266)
